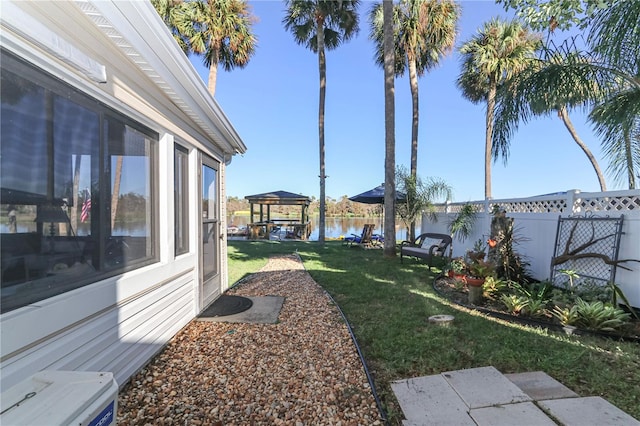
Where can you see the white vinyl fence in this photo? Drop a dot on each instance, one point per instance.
(536, 223)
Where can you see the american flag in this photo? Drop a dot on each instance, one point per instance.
(86, 207)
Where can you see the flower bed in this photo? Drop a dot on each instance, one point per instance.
(502, 303)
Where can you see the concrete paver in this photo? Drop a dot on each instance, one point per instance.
(485, 397)
(522, 414)
(430, 400)
(539, 385)
(588, 411)
(484, 387)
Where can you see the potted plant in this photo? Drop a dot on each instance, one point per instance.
(457, 268)
(477, 253)
(478, 271)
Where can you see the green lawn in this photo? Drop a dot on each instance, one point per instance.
(387, 304)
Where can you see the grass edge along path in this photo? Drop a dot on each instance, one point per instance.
(387, 304)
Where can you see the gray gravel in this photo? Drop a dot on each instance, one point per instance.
(304, 370)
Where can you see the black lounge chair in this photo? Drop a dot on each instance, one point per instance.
(426, 246)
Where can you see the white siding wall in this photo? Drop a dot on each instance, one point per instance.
(118, 324)
(536, 222)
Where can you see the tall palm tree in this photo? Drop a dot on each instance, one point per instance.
(615, 39)
(499, 51)
(389, 249)
(424, 33)
(321, 25)
(544, 87)
(221, 32)
(604, 79)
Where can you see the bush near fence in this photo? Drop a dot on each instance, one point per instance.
(536, 222)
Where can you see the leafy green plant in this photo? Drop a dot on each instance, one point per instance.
(600, 316)
(458, 265)
(536, 307)
(567, 315)
(493, 287)
(514, 303)
(572, 275)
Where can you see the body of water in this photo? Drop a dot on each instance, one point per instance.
(337, 227)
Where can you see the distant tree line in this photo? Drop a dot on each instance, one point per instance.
(336, 208)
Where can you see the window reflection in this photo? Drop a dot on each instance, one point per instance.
(66, 220)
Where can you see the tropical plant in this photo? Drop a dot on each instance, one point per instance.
(462, 224)
(600, 316)
(458, 265)
(572, 275)
(220, 31)
(602, 79)
(424, 33)
(552, 14)
(499, 51)
(480, 268)
(544, 87)
(174, 14)
(420, 196)
(514, 303)
(566, 315)
(322, 25)
(493, 287)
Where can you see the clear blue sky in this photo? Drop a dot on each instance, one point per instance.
(273, 104)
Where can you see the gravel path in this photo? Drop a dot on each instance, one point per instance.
(304, 370)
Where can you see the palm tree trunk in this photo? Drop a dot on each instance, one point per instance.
(390, 138)
(562, 112)
(629, 159)
(116, 191)
(213, 75)
(322, 65)
(491, 104)
(413, 82)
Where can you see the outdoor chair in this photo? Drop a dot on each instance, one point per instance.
(426, 246)
(365, 239)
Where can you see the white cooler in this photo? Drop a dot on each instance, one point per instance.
(61, 398)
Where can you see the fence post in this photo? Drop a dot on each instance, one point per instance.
(572, 196)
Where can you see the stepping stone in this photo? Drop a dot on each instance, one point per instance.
(523, 413)
(429, 400)
(540, 386)
(591, 410)
(484, 387)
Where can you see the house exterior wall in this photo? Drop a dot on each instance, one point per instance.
(536, 223)
(119, 323)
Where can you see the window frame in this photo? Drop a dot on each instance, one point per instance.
(100, 230)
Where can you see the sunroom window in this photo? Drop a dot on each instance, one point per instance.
(78, 196)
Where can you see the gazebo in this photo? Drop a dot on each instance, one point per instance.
(262, 228)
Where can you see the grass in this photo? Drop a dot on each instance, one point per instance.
(387, 304)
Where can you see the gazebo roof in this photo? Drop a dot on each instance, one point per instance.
(279, 197)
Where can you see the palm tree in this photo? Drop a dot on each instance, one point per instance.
(420, 196)
(605, 80)
(424, 32)
(221, 32)
(615, 39)
(174, 15)
(545, 86)
(321, 25)
(499, 51)
(389, 249)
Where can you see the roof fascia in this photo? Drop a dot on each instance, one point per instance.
(138, 31)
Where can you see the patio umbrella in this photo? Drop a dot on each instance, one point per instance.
(375, 196)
